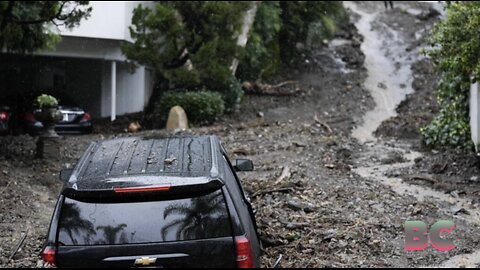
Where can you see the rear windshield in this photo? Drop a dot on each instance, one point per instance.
(201, 217)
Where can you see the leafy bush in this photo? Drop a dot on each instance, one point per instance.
(451, 126)
(455, 47)
(202, 107)
(232, 94)
(46, 101)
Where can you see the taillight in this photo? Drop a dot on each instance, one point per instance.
(141, 189)
(244, 252)
(86, 117)
(3, 116)
(49, 255)
(28, 117)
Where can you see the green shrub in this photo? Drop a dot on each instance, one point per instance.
(231, 91)
(202, 107)
(451, 126)
(454, 49)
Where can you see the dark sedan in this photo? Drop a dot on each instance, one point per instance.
(75, 121)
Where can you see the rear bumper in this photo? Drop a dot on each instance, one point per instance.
(77, 128)
(80, 128)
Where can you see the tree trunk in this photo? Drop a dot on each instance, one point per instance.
(248, 20)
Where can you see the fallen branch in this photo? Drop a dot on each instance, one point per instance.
(422, 177)
(6, 187)
(259, 88)
(264, 192)
(284, 83)
(315, 118)
(18, 246)
(277, 261)
(285, 175)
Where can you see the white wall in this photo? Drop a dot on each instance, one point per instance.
(475, 114)
(108, 20)
(130, 89)
(87, 48)
(133, 90)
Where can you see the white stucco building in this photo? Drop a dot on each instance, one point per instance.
(88, 64)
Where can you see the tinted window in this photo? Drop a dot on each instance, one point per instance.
(201, 217)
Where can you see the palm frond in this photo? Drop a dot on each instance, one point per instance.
(173, 223)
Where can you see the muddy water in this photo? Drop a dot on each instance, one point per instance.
(387, 83)
(372, 169)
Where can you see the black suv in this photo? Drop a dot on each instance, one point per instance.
(140, 202)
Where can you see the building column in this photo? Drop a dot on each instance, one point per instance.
(113, 114)
(475, 115)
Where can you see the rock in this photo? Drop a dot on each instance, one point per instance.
(381, 85)
(177, 119)
(297, 206)
(300, 144)
(134, 127)
(458, 210)
(425, 15)
(296, 225)
(330, 234)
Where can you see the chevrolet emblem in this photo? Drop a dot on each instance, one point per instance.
(144, 261)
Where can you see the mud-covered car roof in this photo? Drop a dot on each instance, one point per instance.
(140, 162)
